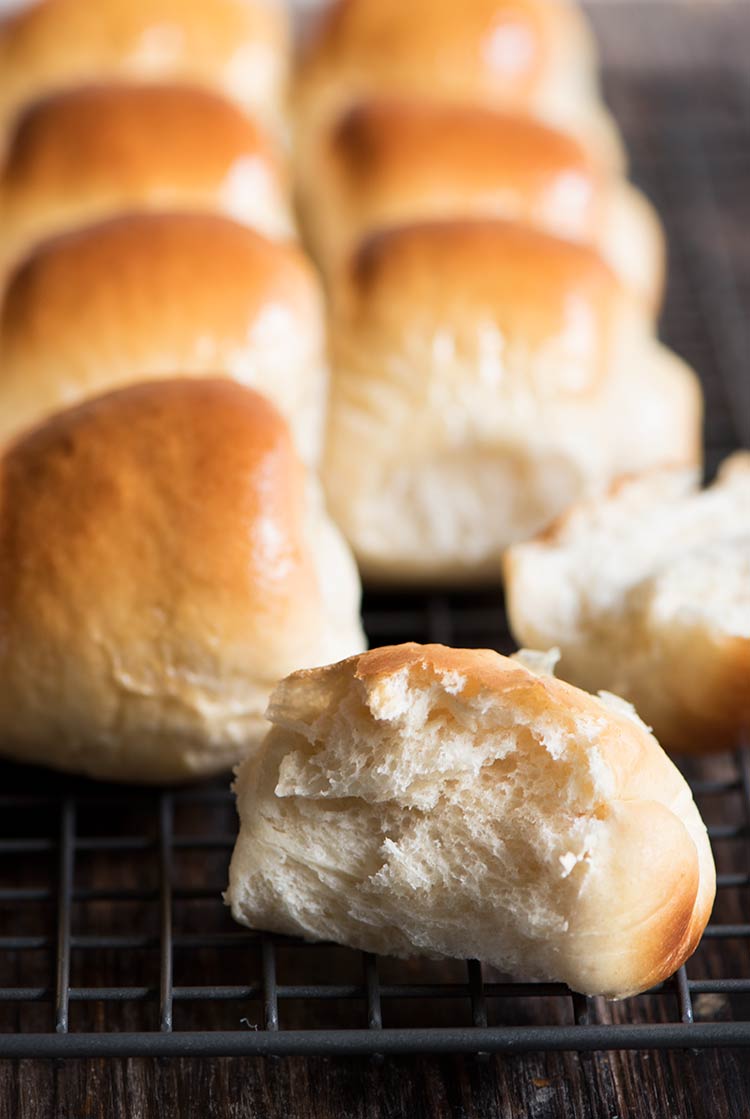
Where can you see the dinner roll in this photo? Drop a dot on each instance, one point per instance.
(647, 591)
(389, 162)
(419, 800)
(92, 152)
(485, 375)
(532, 56)
(163, 562)
(141, 296)
(240, 47)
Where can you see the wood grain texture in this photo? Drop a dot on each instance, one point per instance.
(618, 1086)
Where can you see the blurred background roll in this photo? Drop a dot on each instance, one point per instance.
(390, 161)
(485, 375)
(528, 56)
(94, 151)
(144, 296)
(240, 47)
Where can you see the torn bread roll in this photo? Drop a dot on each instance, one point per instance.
(484, 376)
(164, 560)
(95, 151)
(419, 800)
(239, 47)
(389, 162)
(140, 296)
(647, 592)
(529, 56)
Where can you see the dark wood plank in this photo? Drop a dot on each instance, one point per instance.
(626, 1086)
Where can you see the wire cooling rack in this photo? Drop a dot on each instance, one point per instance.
(113, 937)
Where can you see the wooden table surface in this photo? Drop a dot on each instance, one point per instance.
(637, 1085)
(599, 1086)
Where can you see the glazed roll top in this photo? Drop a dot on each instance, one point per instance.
(163, 561)
(94, 151)
(240, 47)
(391, 161)
(144, 296)
(532, 56)
(484, 375)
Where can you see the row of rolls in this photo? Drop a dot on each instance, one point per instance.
(165, 552)
(207, 438)
(207, 443)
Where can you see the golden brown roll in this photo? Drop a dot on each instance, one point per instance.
(163, 561)
(646, 591)
(139, 297)
(388, 162)
(453, 802)
(95, 151)
(530, 56)
(240, 47)
(485, 375)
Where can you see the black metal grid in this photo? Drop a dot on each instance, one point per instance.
(113, 937)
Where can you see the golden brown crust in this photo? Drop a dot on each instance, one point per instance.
(129, 139)
(94, 152)
(656, 873)
(223, 456)
(710, 711)
(681, 918)
(392, 160)
(440, 45)
(206, 264)
(500, 262)
(237, 45)
(525, 280)
(148, 295)
(154, 577)
(528, 56)
(387, 150)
